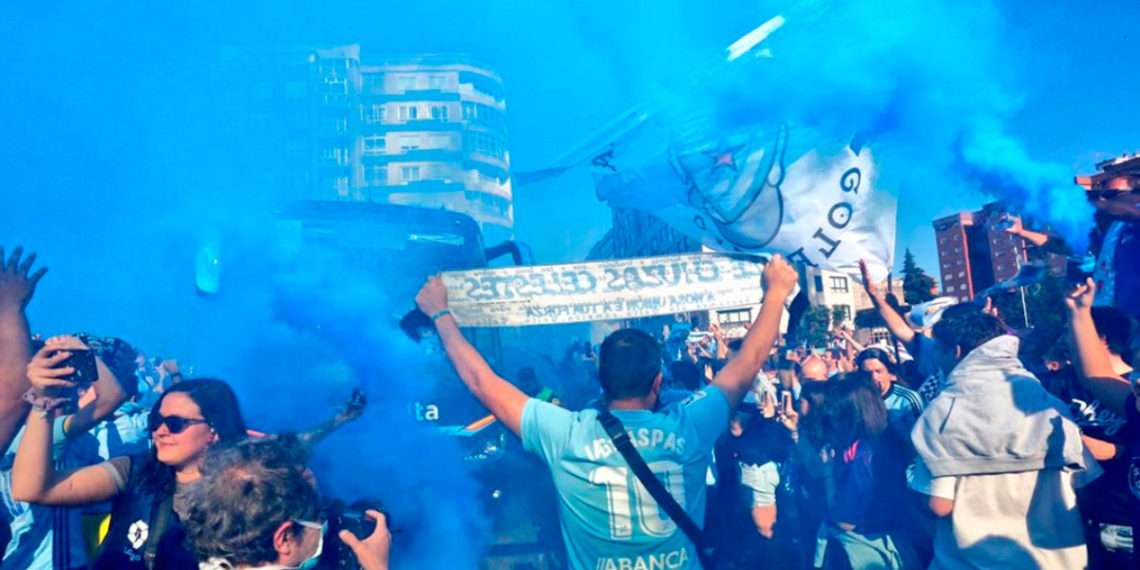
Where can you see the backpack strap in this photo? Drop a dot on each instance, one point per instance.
(665, 500)
(159, 522)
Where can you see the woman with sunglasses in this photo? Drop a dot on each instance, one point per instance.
(148, 490)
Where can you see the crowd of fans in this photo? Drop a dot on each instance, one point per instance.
(952, 446)
(115, 461)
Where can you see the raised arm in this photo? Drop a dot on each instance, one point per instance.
(502, 398)
(854, 347)
(738, 374)
(895, 322)
(1094, 368)
(351, 411)
(107, 388)
(34, 478)
(17, 286)
(1018, 229)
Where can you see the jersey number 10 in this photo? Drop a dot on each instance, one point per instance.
(651, 519)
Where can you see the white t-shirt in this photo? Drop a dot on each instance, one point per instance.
(1006, 520)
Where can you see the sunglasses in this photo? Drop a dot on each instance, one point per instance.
(176, 424)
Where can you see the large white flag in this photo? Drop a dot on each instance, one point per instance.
(776, 189)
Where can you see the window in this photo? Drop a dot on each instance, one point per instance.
(374, 114)
(439, 112)
(437, 81)
(375, 144)
(844, 313)
(405, 82)
(341, 185)
(376, 175)
(818, 284)
(484, 144)
(468, 111)
(409, 173)
(839, 284)
(961, 274)
(408, 113)
(949, 288)
(735, 316)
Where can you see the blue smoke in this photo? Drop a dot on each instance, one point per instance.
(126, 152)
(932, 86)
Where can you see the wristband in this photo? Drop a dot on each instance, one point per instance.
(440, 314)
(45, 405)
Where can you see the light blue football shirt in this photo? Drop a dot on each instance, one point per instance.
(609, 520)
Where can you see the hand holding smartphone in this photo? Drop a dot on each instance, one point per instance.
(84, 373)
(82, 360)
(768, 404)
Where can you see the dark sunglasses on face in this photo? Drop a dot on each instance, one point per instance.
(176, 424)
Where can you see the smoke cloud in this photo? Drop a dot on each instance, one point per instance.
(126, 153)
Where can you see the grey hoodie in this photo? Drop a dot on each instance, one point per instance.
(994, 416)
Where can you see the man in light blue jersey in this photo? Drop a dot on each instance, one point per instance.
(904, 405)
(609, 520)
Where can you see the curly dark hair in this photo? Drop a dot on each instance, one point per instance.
(247, 491)
(967, 327)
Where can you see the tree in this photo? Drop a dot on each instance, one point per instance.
(1045, 301)
(840, 314)
(814, 327)
(918, 287)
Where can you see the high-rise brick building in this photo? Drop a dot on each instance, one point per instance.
(975, 251)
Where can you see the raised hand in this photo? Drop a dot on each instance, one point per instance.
(789, 417)
(17, 285)
(868, 284)
(354, 408)
(1082, 297)
(1016, 226)
(432, 297)
(780, 276)
(169, 367)
(372, 552)
(990, 309)
(767, 404)
(44, 370)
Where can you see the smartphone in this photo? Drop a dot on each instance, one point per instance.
(85, 374)
(83, 361)
(1077, 272)
(768, 407)
(786, 401)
